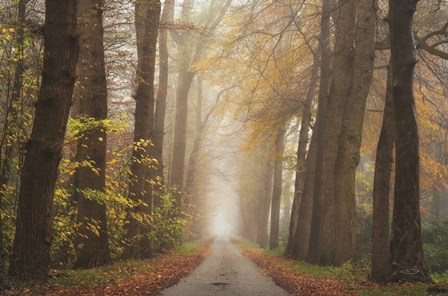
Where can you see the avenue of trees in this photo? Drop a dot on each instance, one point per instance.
(110, 115)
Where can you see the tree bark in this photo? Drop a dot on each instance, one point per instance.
(302, 233)
(319, 134)
(348, 152)
(381, 189)
(340, 90)
(159, 117)
(147, 15)
(406, 247)
(31, 248)
(277, 189)
(92, 248)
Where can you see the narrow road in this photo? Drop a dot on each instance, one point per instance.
(225, 273)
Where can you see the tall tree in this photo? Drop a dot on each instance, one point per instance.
(31, 249)
(159, 117)
(188, 55)
(91, 243)
(406, 247)
(348, 151)
(277, 189)
(264, 195)
(319, 133)
(381, 189)
(344, 55)
(305, 172)
(147, 13)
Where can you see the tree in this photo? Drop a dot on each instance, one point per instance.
(348, 151)
(32, 240)
(319, 134)
(188, 55)
(381, 189)
(277, 189)
(407, 258)
(353, 61)
(344, 55)
(91, 243)
(303, 191)
(159, 117)
(147, 15)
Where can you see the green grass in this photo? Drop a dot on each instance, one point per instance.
(440, 278)
(353, 273)
(96, 277)
(277, 252)
(392, 290)
(188, 248)
(346, 271)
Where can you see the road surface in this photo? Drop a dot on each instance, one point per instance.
(225, 273)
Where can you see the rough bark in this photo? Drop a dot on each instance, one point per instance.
(344, 55)
(277, 189)
(381, 189)
(302, 234)
(31, 248)
(147, 15)
(348, 152)
(407, 259)
(319, 134)
(92, 248)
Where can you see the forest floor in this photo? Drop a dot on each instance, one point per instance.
(299, 278)
(128, 277)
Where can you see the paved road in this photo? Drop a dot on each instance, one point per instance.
(225, 273)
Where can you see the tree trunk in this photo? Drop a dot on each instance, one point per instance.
(31, 249)
(302, 233)
(92, 248)
(249, 192)
(406, 248)
(8, 131)
(339, 93)
(188, 56)
(177, 169)
(264, 198)
(277, 189)
(159, 120)
(381, 189)
(147, 15)
(348, 153)
(319, 134)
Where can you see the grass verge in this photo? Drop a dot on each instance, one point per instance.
(126, 277)
(300, 278)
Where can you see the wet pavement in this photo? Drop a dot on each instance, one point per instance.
(225, 273)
